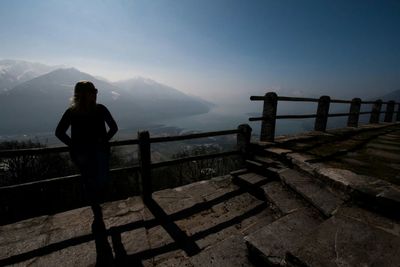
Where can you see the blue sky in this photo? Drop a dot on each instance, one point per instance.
(217, 49)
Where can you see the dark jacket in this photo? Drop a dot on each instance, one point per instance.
(88, 129)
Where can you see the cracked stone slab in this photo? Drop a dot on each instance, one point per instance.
(265, 160)
(270, 243)
(329, 148)
(301, 161)
(347, 242)
(23, 236)
(286, 201)
(370, 218)
(376, 145)
(252, 178)
(318, 196)
(123, 212)
(342, 178)
(139, 240)
(386, 142)
(173, 200)
(268, 162)
(219, 213)
(80, 255)
(229, 252)
(391, 156)
(278, 151)
(302, 137)
(184, 197)
(174, 258)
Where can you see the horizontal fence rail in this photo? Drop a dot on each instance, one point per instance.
(145, 165)
(269, 114)
(64, 193)
(243, 133)
(305, 99)
(58, 149)
(191, 136)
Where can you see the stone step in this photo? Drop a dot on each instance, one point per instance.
(374, 219)
(228, 252)
(267, 161)
(344, 241)
(238, 172)
(253, 178)
(262, 169)
(283, 198)
(277, 153)
(268, 246)
(251, 182)
(251, 164)
(270, 164)
(321, 198)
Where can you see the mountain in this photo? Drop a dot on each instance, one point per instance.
(395, 95)
(152, 92)
(14, 72)
(37, 104)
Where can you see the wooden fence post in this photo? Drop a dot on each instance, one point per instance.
(322, 113)
(389, 111)
(376, 112)
(355, 106)
(243, 139)
(269, 117)
(398, 113)
(145, 162)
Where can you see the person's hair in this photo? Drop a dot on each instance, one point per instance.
(82, 101)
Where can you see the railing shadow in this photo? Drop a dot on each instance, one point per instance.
(181, 240)
(104, 255)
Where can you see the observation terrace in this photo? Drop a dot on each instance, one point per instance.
(329, 197)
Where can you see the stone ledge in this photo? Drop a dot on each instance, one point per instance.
(322, 199)
(370, 218)
(370, 192)
(344, 241)
(270, 244)
(282, 198)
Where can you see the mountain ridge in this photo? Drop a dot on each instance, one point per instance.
(36, 105)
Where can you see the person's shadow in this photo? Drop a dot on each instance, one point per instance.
(104, 255)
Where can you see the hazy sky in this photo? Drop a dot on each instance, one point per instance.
(216, 48)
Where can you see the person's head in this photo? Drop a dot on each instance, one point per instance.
(85, 96)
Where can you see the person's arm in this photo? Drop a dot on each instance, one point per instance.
(62, 127)
(112, 125)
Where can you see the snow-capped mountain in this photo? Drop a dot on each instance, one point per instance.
(36, 105)
(14, 72)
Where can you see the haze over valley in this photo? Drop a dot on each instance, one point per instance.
(34, 96)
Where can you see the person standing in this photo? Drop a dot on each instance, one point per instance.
(89, 138)
(90, 151)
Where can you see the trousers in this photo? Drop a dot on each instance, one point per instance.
(94, 167)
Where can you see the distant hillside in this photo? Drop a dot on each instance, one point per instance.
(36, 105)
(152, 92)
(14, 72)
(395, 95)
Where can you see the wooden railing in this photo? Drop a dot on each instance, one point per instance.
(145, 165)
(271, 99)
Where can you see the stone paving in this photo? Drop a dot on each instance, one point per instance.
(351, 159)
(215, 215)
(318, 199)
(379, 158)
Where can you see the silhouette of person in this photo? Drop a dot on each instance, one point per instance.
(90, 151)
(88, 140)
